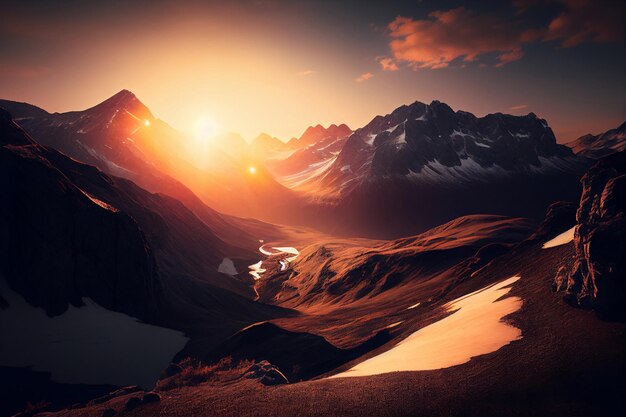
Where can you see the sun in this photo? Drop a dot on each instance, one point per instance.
(204, 129)
(252, 169)
(146, 122)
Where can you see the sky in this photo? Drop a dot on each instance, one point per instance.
(279, 66)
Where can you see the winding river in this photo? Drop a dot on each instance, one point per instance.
(284, 254)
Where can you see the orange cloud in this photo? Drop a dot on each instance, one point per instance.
(304, 73)
(388, 64)
(364, 77)
(519, 107)
(448, 35)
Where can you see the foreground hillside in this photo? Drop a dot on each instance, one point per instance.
(567, 362)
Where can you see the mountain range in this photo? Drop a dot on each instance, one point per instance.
(422, 165)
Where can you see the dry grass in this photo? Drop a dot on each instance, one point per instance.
(194, 372)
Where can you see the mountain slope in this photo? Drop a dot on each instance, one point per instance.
(317, 149)
(122, 137)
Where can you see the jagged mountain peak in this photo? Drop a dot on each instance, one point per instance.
(314, 134)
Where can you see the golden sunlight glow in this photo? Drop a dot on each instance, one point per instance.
(204, 129)
(146, 122)
(252, 170)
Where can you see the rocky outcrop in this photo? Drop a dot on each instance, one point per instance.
(597, 278)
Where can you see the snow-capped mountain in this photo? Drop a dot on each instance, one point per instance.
(318, 148)
(599, 146)
(95, 135)
(433, 144)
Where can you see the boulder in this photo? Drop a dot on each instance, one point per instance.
(132, 403)
(151, 397)
(266, 374)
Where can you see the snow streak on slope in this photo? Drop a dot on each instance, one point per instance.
(474, 328)
(561, 239)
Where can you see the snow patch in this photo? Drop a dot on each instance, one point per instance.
(227, 266)
(85, 345)
(474, 328)
(369, 139)
(561, 239)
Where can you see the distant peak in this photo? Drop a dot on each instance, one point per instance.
(125, 92)
(122, 95)
(124, 99)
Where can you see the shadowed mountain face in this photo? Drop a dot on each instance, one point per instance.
(598, 146)
(60, 243)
